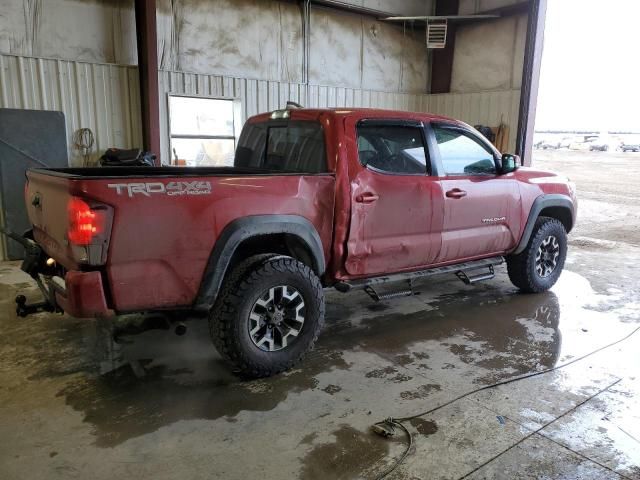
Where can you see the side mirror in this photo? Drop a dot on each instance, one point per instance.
(509, 163)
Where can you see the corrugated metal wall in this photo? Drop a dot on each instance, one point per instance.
(102, 97)
(484, 108)
(487, 108)
(105, 98)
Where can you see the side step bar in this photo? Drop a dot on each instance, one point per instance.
(464, 271)
(478, 277)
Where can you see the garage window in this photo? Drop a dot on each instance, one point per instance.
(202, 131)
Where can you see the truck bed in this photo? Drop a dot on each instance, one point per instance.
(166, 220)
(78, 173)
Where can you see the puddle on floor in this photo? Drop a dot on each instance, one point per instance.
(352, 453)
(470, 336)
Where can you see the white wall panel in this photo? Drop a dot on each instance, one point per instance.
(489, 55)
(91, 31)
(102, 97)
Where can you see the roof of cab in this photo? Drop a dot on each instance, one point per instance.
(354, 113)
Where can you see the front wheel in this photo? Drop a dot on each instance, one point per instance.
(268, 316)
(539, 266)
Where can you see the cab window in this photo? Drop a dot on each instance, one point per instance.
(293, 147)
(461, 154)
(393, 149)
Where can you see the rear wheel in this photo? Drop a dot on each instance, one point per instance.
(539, 266)
(268, 316)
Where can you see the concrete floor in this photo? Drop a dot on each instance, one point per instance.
(74, 406)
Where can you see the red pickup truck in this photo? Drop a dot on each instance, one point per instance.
(314, 198)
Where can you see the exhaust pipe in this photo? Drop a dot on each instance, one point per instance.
(180, 329)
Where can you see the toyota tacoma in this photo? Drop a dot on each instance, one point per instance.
(314, 198)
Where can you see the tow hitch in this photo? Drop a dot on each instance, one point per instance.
(34, 264)
(22, 309)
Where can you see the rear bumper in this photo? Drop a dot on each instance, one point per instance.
(80, 294)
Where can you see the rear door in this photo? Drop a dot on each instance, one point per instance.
(396, 202)
(481, 207)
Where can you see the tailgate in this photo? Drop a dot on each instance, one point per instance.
(46, 198)
(69, 226)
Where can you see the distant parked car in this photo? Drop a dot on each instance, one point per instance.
(598, 145)
(630, 147)
(598, 148)
(566, 142)
(548, 145)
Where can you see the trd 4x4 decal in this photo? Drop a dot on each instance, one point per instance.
(172, 188)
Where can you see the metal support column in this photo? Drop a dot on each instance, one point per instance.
(531, 79)
(147, 35)
(442, 59)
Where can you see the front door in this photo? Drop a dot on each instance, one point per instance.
(481, 207)
(396, 213)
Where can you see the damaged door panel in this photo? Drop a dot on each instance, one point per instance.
(396, 217)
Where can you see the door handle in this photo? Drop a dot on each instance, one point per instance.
(456, 193)
(367, 197)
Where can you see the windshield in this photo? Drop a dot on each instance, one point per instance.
(291, 147)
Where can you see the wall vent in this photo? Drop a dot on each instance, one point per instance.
(437, 34)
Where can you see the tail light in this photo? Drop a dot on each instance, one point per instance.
(88, 230)
(84, 223)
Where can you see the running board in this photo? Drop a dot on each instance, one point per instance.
(478, 277)
(462, 270)
(376, 296)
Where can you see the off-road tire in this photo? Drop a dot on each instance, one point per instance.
(228, 320)
(522, 267)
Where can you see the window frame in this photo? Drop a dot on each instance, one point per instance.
(381, 122)
(468, 132)
(237, 122)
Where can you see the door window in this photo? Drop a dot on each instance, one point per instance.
(395, 149)
(463, 155)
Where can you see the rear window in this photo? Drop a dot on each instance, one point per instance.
(292, 147)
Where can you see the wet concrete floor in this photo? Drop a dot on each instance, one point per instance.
(75, 405)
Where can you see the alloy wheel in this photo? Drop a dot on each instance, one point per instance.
(276, 318)
(547, 256)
